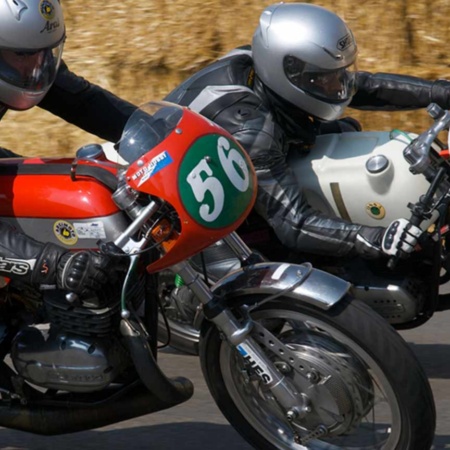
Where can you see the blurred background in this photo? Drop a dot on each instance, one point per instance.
(140, 50)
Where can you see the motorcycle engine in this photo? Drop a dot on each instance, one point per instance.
(79, 350)
(64, 361)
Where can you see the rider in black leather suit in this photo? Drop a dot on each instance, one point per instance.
(278, 95)
(31, 72)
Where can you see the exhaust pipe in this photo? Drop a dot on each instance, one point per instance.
(66, 413)
(66, 416)
(146, 366)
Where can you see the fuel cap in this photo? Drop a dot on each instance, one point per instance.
(377, 164)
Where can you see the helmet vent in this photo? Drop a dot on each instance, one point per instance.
(17, 7)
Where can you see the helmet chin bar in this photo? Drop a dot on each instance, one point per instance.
(18, 99)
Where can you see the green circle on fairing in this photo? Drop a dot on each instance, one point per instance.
(215, 181)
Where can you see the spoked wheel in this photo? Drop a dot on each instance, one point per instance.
(362, 386)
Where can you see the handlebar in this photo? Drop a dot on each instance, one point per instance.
(417, 154)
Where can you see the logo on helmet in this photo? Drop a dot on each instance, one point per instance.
(47, 10)
(344, 42)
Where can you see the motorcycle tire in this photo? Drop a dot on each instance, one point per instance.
(370, 391)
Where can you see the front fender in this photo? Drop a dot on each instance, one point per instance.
(301, 282)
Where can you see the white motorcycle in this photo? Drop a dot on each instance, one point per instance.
(368, 178)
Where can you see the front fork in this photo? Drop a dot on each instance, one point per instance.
(239, 335)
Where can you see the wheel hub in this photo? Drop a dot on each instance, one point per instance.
(337, 387)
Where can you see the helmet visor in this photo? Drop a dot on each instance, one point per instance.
(336, 85)
(30, 70)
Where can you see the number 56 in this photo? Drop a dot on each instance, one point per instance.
(234, 166)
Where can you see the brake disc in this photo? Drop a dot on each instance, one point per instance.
(337, 387)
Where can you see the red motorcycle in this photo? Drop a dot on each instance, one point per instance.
(282, 346)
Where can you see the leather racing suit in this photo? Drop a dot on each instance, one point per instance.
(92, 109)
(229, 93)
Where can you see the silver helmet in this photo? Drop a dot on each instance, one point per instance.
(306, 55)
(32, 34)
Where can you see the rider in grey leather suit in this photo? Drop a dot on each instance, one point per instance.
(292, 84)
(32, 36)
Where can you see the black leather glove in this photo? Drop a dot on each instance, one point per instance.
(76, 271)
(84, 271)
(398, 239)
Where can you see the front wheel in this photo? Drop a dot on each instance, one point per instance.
(363, 386)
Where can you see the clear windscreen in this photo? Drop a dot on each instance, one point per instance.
(147, 127)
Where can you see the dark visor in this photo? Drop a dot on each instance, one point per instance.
(332, 85)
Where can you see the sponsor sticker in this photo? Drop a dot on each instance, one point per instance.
(47, 10)
(157, 163)
(255, 363)
(65, 232)
(90, 230)
(375, 210)
(344, 42)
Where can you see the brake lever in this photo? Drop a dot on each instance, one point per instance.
(420, 210)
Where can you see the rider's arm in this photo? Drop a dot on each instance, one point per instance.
(87, 105)
(280, 197)
(26, 260)
(385, 91)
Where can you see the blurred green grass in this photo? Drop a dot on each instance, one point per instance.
(141, 50)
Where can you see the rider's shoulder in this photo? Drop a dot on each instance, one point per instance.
(244, 53)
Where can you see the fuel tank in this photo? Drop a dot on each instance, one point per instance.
(55, 200)
(361, 177)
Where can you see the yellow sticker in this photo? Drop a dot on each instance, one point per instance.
(47, 9)
(65, 232)
(375, 210)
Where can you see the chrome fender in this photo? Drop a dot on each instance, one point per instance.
(301, 282)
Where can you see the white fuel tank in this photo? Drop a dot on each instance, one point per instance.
(359, 176)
